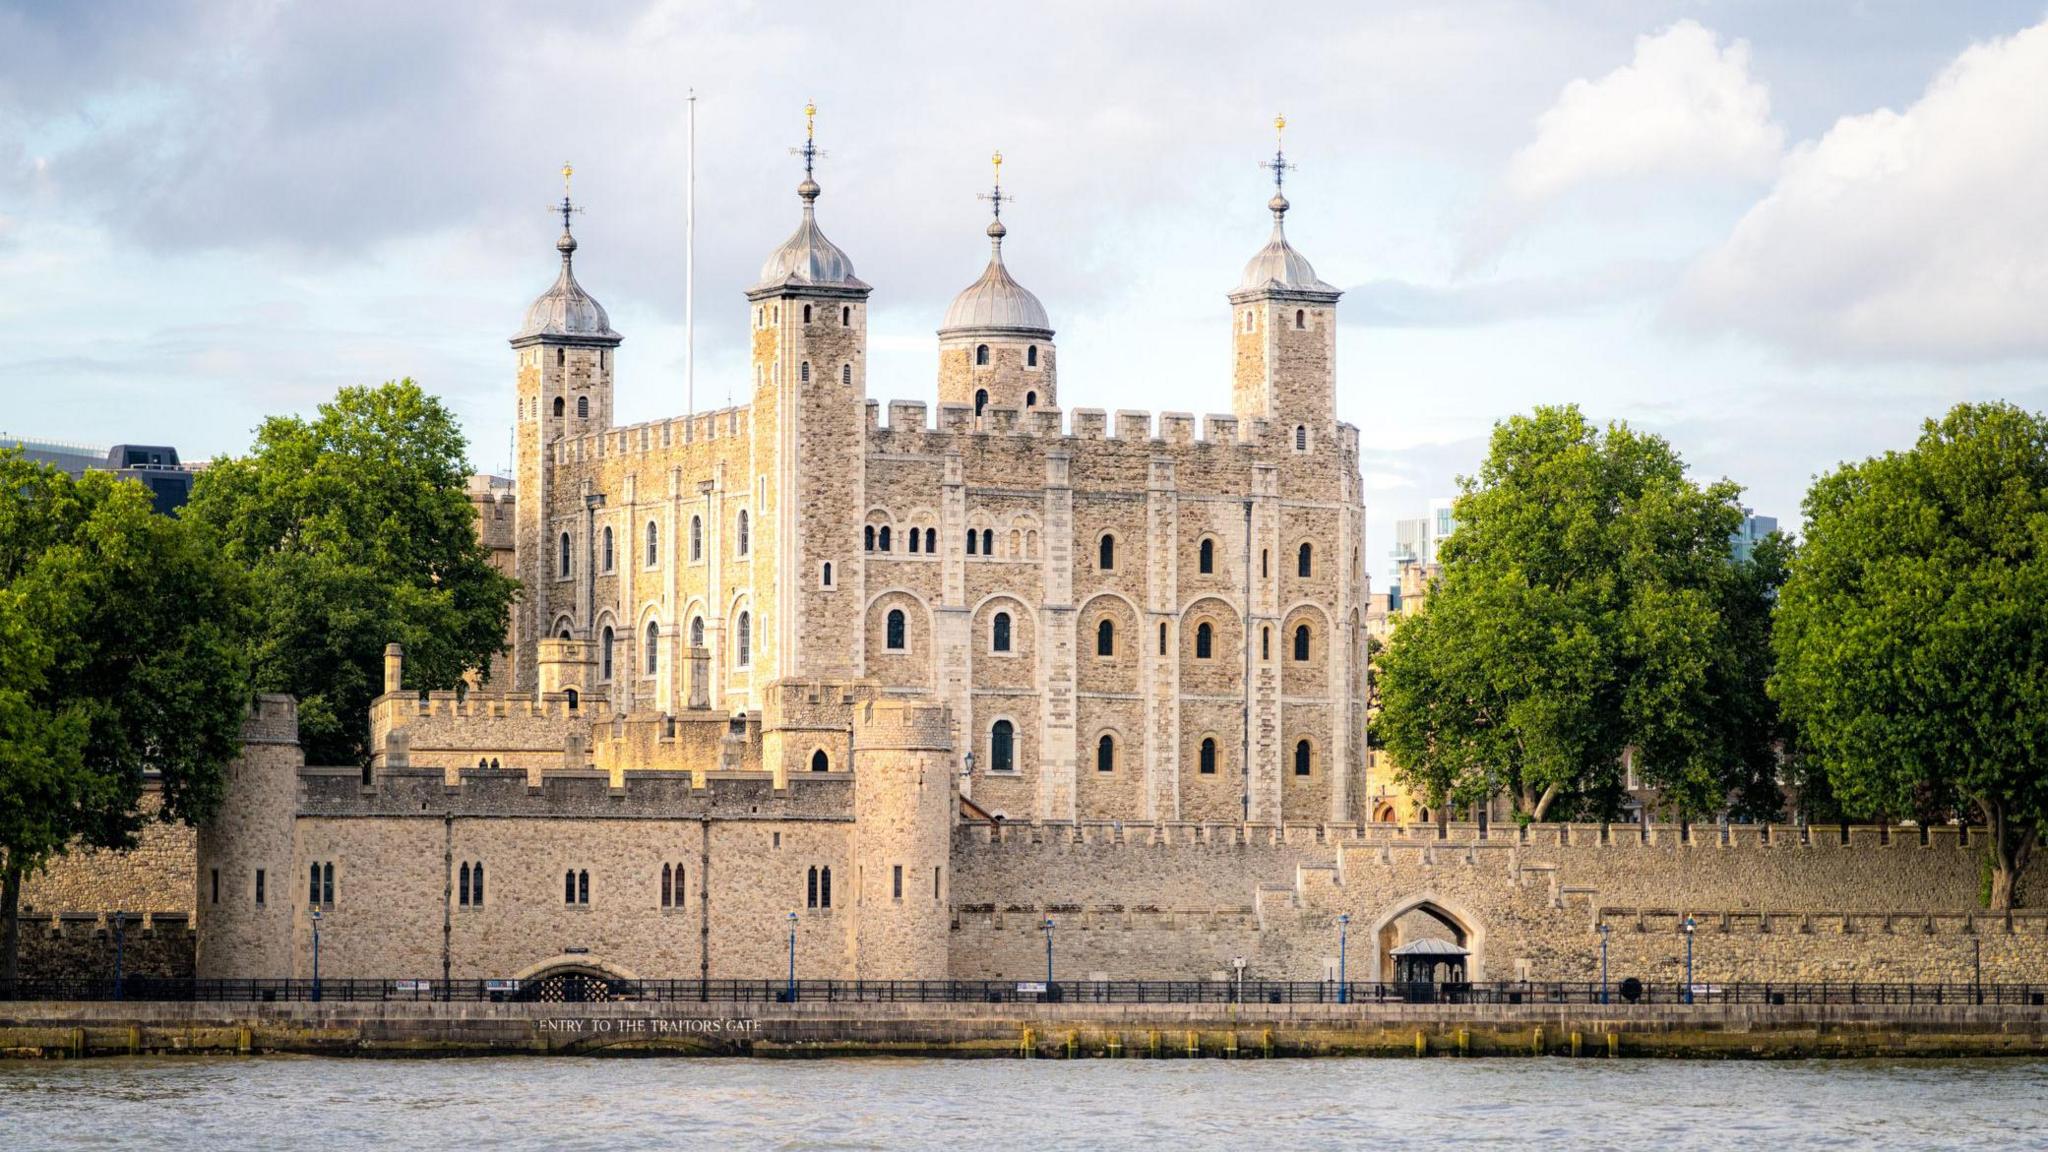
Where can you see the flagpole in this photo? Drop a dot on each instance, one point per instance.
(690, 271)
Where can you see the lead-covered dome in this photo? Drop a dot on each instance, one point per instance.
(807, 259)
(566, 310)
(1278, 267)
(996, 301)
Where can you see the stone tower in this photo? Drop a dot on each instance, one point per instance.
(566, 353)
(253, 891)
(809, 320)
(904, 798)
(1284, 334)
(995, 348)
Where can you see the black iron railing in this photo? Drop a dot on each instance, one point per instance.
(596, 988)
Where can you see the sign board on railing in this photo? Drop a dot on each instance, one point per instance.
(1030, 987)
(412, 985)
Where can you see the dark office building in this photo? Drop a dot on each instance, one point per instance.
(156, 466)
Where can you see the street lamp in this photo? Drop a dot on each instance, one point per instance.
(119, 916)
(1343, 984)
(1602, 926)
(316, 954)
(1690, 924)
(791, 997)
(1048, 954)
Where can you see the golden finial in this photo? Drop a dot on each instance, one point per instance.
(1279, 127)
(810, 112)
(566, 173)
(997, 159)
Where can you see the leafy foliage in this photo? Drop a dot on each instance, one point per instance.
(1912, 634)
(1588, 604)
(356, 531)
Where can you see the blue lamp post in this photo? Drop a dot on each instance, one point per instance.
(119, 919)
(791, 997)
(316, 954)
(1603, 961)
(1690, 924)
(1048, 954)
(1343, 984)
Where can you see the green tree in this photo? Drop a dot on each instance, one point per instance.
(1588, 604)
(1912, 634)
(120, 651)
(357, 532)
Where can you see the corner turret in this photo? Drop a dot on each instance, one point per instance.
(995, 347)
(1284, 332)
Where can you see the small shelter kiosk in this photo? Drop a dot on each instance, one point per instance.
(1430, 970)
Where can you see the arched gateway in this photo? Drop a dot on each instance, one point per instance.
(1427, 916)
(571, 979)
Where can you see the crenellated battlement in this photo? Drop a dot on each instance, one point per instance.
(1221, 430)
(723, 424)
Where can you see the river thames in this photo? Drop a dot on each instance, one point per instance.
(309, 1103)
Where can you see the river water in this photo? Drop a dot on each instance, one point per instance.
(308, 1104)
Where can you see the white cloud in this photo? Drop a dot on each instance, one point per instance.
(1922, 233)
(1685, 106)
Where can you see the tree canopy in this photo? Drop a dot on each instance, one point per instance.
(1912, 633)
(1588, 604)
(356, 532)
(120, 653)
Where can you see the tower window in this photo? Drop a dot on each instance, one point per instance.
(696, 632)
(895, 639)
(1031, 356)
(1105, 638)
(565, 555)
(463, 899)
(931, 540)
(653, 647)
(804, 370)
(825, 886)
(1208, 559)
(827, 581)
(980, 354)
(1301, 437)
(1031, 399)
(1303, 758)
(696, 538)
(743, 532)
(988, 541)
(1105, 553)
(1205, 640)
(1304, 561)
(667, 886)
(607, 550)
(1247, 319)
(973, 542)
(846, 373)
(653, 538)
(604, 653)
(811, 888)
(820, 762)
(1301, 642)
(846, 316)
(260, 886)
(868, 538)
(1208, 757)
(1162, 637)
(1265, 643)
(561, 357)
(744, 638)
(582, 407)
(915, 539)
(884, 537)
(807, 316)
(1105, 753)
(1300, 318)
(999, 635)
(558, 406)
(1002, 752)
(980, 400)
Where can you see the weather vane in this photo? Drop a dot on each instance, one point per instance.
(1278, 164)
(995, 197)
(566, 208)
(810, 151)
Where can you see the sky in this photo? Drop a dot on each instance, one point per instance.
(1779, 235)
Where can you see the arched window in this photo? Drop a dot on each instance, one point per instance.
(1105, 753)
(869, 538)
(828, 574)
(583, 886)
(1265, 567)
(846, 316)
(1002, 752)
(1300, 318)
(573, 699)
(980, 400)
(607, 549)
(973, 542)
(582, 407)
(604, 653)
(999, 637)
(559, 409)
(743, 532)
(463, 899)
(1304, 561)
(561, 357)
(565, 554)
(653, 647)
(1031, 356)
(667, 886)
(1301, 641)
(1265, 643)
(820, 762)
(1208, 561)
(744, 639)
(1205, 640)
(1031, 399)
(981, 354)
(569, 886)
(1301, 437)
(884, 537)
(931, 540)
(696, 632)
(846, 373)
(825, 886)
(696, 538)
(653, 539)
(1162, 637)
(1105, 638)
(680, 889)
(988, 541)
(1304, 757)
(811, 887)
(476, 883)
(807, 313)
(804, 369)
(1208, 757)
(895, 628)
(916, 540)
(1105, 553)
